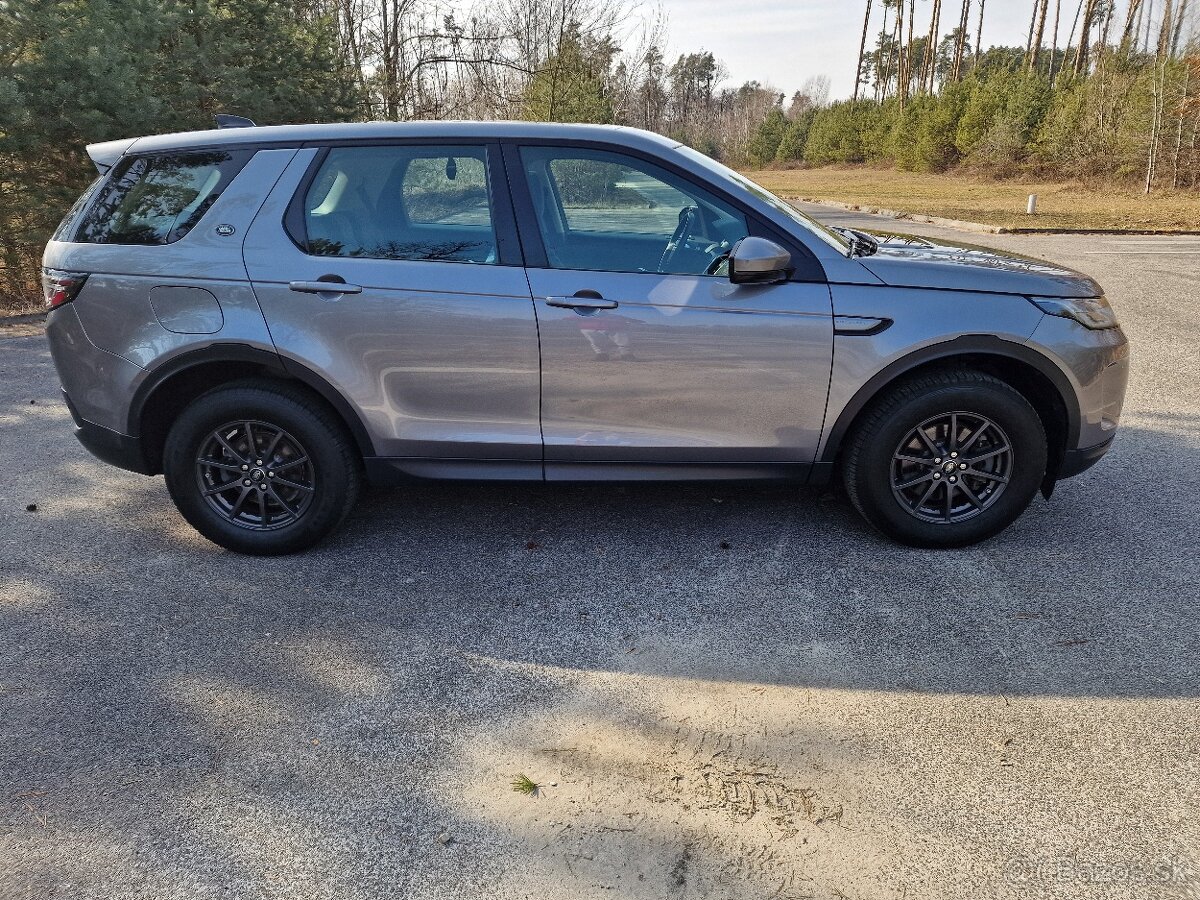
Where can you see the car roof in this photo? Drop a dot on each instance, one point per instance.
(106, 153)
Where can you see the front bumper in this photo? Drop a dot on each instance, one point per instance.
(1097, 364)
(1077, 461)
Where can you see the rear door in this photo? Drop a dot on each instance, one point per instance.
(653, 363)
(393, 271)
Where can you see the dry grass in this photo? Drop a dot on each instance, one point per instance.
(20, 306)
(1002, 203)
(14, 301)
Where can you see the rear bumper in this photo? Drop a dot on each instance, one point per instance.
(1077, 461)
(112, 447)
(100, 384)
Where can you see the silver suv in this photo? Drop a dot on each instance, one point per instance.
(271, 316)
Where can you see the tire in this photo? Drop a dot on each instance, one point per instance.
(900, 482)
(259, 510)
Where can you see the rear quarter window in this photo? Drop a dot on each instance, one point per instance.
(159, 199)
(66, 228)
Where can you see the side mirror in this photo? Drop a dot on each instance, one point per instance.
(755, 260)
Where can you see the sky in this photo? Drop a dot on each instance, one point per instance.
(784, 42)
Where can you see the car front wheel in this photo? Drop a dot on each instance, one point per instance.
(946, 459)
(261, 468)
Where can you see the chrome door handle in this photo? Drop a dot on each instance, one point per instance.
(582, 300)
(323, 287)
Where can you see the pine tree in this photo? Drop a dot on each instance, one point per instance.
(791, 148)
(77, 71)
(764, 144)
(571, 86)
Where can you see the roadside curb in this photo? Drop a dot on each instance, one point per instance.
(979, 227)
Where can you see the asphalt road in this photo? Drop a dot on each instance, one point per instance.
(721, 692)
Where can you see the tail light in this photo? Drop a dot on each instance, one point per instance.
(59, 287)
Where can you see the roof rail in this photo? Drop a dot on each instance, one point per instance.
(227, 121)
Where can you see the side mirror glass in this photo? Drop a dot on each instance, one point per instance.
(755, 260)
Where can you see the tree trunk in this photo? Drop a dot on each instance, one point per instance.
(979, 32)
(1180, 15)
(1164, 33)
(960, 46)
(1192, 153)
(1104, 33)
(558, 63)
(1029, 34)
(896, 51)
(929, 71)
(883, 65)
(1039, 35)
(1085, 37)
(1187, 77)
(898, 44)
(1071, 33)
(1156, 121)
(862, 49)
(1054, 41)
(389, 63)
(909, 62)
(1132, 20)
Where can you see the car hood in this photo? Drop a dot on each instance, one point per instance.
(909, 261)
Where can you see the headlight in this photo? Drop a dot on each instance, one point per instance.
(1091, 312)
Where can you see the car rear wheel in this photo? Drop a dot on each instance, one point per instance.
(946, 459)
(261, 468)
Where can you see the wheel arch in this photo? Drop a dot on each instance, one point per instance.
(169, 388)
(1037, 378)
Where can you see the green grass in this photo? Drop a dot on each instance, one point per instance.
(523, 784)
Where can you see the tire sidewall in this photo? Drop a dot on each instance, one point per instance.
(210, 412)
(1006, 408)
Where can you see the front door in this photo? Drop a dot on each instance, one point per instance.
(400, 284)
(653, 363)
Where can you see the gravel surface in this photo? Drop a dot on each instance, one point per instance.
(721, 692)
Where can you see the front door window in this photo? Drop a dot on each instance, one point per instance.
(607, 212)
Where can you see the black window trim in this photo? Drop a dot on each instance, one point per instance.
(807, 268)
(504, 226)
(121, 166)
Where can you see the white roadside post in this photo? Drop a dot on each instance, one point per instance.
(1031, 207)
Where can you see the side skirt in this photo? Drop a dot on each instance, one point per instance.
(396, 470)
(660, 471)
(383, 470)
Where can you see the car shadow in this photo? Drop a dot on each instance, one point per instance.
(191, 710)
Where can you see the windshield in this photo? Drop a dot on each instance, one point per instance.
(817, 230)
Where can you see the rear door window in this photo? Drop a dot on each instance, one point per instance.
(159, 199)
(412, 203)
